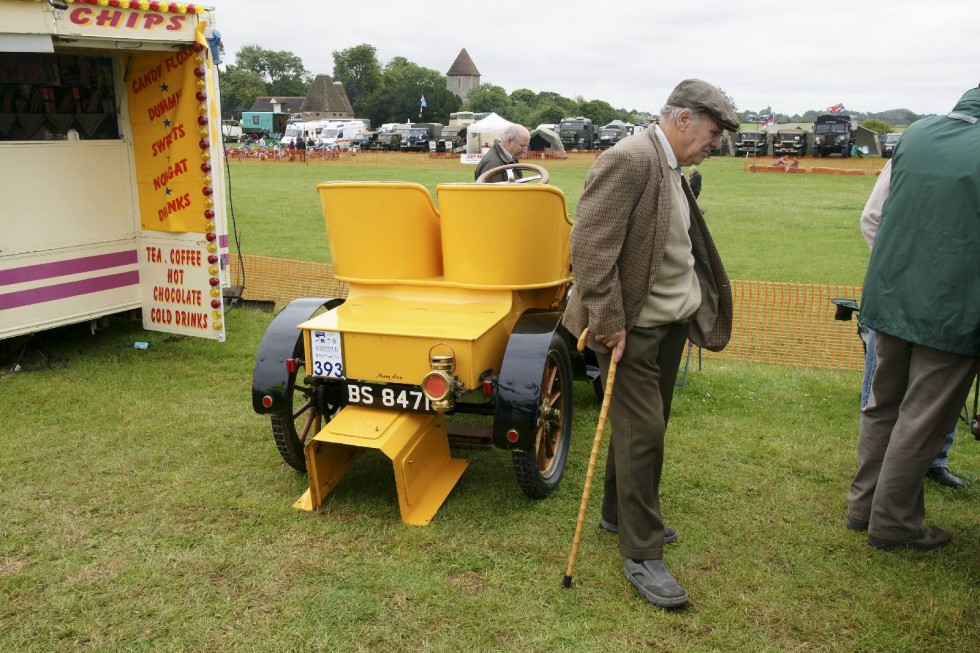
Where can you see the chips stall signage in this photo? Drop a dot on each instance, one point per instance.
(130, 95)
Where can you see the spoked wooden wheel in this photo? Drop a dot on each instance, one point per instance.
(304, 411)
(539, 471)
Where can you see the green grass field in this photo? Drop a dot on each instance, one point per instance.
(144, 507)
(802, 228)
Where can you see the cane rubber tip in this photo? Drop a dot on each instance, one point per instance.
(566, 582)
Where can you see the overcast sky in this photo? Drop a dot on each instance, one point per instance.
(868, 55)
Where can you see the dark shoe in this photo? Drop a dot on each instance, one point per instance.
(654, 583)
(929, 538)
(670, 535)
(942, 476)
(856, 524)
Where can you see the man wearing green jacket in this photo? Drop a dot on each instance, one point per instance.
(922, 296)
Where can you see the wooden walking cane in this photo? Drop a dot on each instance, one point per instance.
(606, 399)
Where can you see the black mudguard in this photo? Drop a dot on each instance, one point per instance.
(519, 383)
(281, 341)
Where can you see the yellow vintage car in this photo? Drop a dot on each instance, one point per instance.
(449, 312)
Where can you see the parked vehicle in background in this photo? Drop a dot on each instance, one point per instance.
(751, 141)
(340, 134)
(264, 123)
(231, 131)
(386, 140)
(445, 141)
(416, 136)
(612, 134)
(833, 134)
(309, 130)
(888, 143)
(577, 133)
(364, 140)
(790, 141)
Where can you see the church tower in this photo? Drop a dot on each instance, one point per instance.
(463, 76)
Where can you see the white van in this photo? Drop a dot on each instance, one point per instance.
(340, 135)
(309, 130)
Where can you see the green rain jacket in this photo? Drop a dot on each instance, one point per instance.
(923, 280)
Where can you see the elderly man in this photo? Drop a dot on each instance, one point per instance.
(648, 277)
(511, 146)
(920, 297)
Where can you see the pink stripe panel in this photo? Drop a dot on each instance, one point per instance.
(43, 271)
(70, 289)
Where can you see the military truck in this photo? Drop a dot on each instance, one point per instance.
(386, 140)
(577, 133)
(751, 141)
(415, 136)
(833, 134)
(791, 140)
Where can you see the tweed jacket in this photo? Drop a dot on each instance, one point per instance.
(619, 240)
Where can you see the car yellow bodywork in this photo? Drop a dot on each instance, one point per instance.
(421, 281)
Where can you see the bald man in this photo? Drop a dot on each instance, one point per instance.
(511, 146)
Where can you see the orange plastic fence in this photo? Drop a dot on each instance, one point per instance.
(372, 158)
(778, 323)
(852, 166)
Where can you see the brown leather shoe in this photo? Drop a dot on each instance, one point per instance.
(929, 538)
(942, 476)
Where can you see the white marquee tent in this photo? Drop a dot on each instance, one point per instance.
(483, 132)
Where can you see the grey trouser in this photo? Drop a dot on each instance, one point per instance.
(640, 407)
(916, 396)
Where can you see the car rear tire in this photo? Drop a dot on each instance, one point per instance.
(304, 411)
(539, 471)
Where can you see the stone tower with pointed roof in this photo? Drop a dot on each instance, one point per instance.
(463, 76)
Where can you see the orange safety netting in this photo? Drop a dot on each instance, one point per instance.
(851, 166)
(774, 322)
(381, 159)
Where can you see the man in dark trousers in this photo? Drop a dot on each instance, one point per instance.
(511, 146)
(920, 297)
(647, 277)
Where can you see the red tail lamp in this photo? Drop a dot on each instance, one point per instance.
(435, 386)
(267, 401)
(438, 385)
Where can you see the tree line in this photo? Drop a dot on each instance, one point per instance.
(392, 92)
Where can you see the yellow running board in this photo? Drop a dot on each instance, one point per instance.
(417, 445)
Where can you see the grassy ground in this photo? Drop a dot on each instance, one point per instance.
(143, 505)
(772, 227)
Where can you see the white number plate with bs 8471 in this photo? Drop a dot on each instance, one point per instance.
(388, 395)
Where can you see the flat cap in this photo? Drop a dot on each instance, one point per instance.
(702, 96)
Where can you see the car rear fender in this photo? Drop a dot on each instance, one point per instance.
(282, 341)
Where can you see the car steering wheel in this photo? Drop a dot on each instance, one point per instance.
(541, 177)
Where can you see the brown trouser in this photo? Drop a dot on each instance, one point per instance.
(638, 413)
(916, 396)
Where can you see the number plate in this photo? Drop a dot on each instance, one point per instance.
(408, 398)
